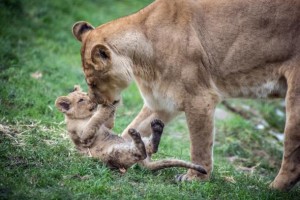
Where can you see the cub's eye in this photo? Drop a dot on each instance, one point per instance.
(80, 100)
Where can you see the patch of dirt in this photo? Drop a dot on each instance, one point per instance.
(18, 161)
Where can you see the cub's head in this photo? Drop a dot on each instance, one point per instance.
(107, 71)
(77, 105)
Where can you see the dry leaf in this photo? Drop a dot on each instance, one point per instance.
(229, 179)
(4, 129)
(36, 75)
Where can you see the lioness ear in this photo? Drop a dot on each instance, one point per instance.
(80, 29)
(101, 57)
(63, 104)
(77, 88)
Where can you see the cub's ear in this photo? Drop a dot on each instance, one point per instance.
(101, 57)
(77, 88)
(80, 29)
(63, 104)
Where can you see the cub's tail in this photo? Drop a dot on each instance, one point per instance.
(167, 163)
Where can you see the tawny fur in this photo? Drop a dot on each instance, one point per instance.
(88, 128)
(188, 55)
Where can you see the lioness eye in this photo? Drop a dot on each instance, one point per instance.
(80, 100)
(93, 85)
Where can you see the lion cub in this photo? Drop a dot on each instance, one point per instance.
(89, 127)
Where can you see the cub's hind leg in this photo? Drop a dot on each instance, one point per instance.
(289, 173)
(138, 143)
(157, 127)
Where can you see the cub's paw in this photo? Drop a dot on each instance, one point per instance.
(107, 110)
(134, 134)
(157, 125)
(87, 142)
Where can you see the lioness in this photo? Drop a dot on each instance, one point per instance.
(188, 55)
(89, 130)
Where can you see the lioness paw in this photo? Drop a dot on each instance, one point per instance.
(191, 177)
(182, 178)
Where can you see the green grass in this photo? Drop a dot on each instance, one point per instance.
(37, 159)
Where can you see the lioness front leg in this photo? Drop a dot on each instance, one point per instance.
(200, 118)
(143, 114)
(144, 118)
(289, 173)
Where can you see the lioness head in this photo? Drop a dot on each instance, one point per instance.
(77, 105)
(107, 72)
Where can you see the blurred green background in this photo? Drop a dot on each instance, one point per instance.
(40, 60)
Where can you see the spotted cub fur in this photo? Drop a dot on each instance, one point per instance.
(89, 127)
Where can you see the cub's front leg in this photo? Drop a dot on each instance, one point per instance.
(102, 115)
(200, 118)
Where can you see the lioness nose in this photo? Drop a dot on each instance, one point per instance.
(92, 96)
(96, 98)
